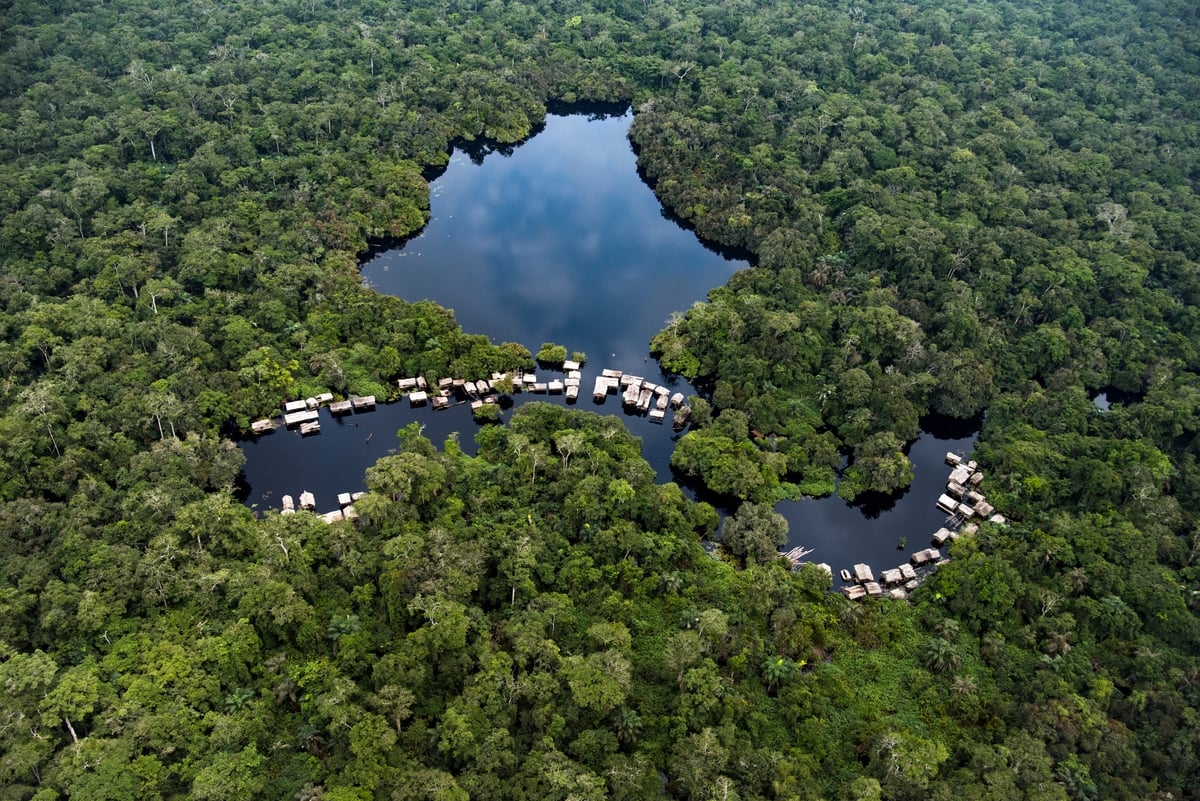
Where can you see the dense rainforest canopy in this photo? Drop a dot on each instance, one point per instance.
(954, 206)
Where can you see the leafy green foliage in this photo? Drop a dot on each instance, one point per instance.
(952, 207)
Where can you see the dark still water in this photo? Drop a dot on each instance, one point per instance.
(841, 535)
(560, 240)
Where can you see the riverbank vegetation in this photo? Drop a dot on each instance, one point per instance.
(954, 207)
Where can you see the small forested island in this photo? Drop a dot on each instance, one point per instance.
(961, 207)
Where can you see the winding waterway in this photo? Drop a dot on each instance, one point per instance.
(559, 240)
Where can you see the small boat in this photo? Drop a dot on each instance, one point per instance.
(846, 575)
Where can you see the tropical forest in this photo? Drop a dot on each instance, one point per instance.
(973, 209)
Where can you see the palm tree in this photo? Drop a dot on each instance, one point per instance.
(777, 669)
(849, 613)
(947, 629)
(939, 656)
(964, 687)
(628, 724)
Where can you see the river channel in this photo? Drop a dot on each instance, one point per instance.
(560, 240)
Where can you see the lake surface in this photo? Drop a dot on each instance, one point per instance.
(559, 240)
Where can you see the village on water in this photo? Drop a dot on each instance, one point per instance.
(961, 501)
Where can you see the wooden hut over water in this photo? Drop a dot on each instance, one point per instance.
(363, 403)
(313, 427)
(947, 504)
(308, 501)
(340, 407)
(262, 426)
(862, 573)
(296, 418)
(926, 556)
(295, 406)
(960, 475)
(289, 505)
(417, 398)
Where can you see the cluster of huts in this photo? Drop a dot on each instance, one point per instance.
(304, 414)
(449, 392)
(308, 501)
(642, 396)
(639, 396)
(963, 503)
(901, 580)
(962, 500)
